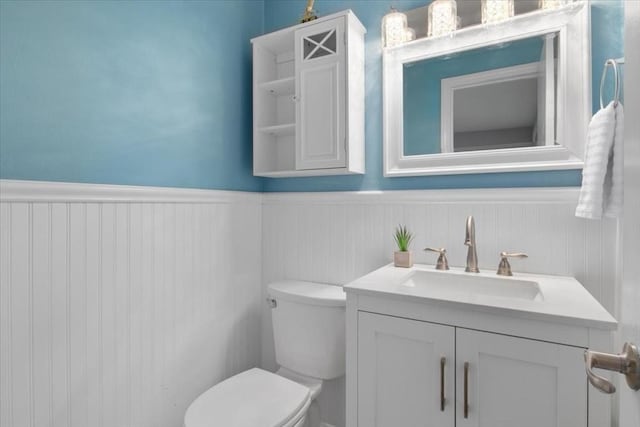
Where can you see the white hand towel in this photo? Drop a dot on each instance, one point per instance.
(614, 197)
(599, 142)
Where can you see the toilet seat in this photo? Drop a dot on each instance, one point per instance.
(253, 398)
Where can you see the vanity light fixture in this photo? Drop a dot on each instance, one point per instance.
(553, 4)
(442, 18)
(394, 28)
(496, 10)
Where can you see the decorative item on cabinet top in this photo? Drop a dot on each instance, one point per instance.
(309, 13)
(308, 99)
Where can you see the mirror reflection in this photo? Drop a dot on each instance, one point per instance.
(497, 97)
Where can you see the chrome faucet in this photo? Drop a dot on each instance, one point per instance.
(470, 241)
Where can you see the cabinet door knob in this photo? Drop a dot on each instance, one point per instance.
(627, 363)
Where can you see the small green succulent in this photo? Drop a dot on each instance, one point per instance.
(403, 238)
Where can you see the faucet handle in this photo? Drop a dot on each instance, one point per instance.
(504, 268)
(441, 263)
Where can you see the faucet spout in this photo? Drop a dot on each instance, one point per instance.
(470, 241)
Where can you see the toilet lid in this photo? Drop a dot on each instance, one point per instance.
(308, 293)
(250, 399)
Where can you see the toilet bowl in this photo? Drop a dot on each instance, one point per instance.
(309, 336)
(250, 399)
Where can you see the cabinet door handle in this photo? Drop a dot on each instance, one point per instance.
(443, 360)
(466, 389)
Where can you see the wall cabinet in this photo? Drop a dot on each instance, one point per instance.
(308, 99)
(416, 373)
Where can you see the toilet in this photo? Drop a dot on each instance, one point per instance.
(309, 337)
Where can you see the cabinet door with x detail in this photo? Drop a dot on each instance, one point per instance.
(320, 61)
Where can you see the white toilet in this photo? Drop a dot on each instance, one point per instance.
(309, 332)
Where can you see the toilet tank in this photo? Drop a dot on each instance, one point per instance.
(309, 327)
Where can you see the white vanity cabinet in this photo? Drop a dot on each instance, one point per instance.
(403, 367)
(308, 99)
(455, 349)
(414, 373)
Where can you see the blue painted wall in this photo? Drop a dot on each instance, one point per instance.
(607, 21)
(137, 92)
(159, 93)
(607, 41)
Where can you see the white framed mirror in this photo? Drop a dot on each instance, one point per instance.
(512, 96)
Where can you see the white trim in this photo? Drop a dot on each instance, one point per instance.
(45, 191)
(485, 195)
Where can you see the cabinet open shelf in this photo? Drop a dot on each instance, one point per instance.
(285, 86)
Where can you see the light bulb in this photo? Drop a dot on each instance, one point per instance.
(409, 34)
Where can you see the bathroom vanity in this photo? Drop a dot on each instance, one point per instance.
(449, 348)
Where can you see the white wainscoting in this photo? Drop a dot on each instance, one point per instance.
(119, 305)
(336, 237)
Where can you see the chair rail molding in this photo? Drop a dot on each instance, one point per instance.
(47, 191)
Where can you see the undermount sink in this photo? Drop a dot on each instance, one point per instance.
(449, 284)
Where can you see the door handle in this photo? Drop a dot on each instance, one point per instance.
(627, 363)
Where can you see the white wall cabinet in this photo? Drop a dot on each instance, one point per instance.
(415, 373)
(308, 99)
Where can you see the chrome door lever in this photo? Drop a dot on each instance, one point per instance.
(627, 363)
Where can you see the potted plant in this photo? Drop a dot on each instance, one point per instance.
(402, 257)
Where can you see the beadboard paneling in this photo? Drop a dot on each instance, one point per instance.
(118, 305)
(337, 237)
(119, 308)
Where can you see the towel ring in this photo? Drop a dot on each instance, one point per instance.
(616, 76)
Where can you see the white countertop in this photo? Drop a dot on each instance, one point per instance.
(563, 299)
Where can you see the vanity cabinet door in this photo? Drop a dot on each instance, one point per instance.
(399, 372)
(321, 96)
(519, 382)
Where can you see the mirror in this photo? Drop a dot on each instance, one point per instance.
(507, 97)
(497, 97)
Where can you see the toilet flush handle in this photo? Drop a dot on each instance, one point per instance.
(272, 302)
